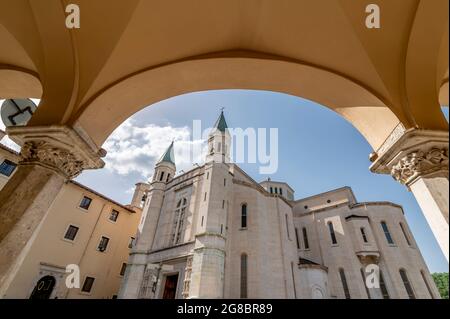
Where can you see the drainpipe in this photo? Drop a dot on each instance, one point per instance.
(87, 244)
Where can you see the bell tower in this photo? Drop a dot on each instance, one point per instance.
(219, 142)
(164, 172)
(165, 168)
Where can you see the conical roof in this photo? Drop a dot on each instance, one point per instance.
(221, 124)
(168, 156)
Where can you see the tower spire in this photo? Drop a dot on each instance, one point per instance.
(219, 141)
(168, 156)
(221, 123)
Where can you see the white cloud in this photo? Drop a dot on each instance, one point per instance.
(136, 149)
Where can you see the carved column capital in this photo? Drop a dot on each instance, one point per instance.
(59, 148)
(420, 163)
(413, 154)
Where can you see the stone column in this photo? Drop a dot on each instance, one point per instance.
(49, 157)
(419, 160)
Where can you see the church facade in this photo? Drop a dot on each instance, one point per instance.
(214, 232)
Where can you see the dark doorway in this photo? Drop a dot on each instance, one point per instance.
(43, 288)
(170, 288)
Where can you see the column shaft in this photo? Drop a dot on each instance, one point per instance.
(432, 196)
(24, 202)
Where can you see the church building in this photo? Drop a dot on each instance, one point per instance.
(214, 232)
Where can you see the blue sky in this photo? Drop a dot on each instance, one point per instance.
(318, 151)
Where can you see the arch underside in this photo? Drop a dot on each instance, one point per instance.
(95, 77)
(358, 105)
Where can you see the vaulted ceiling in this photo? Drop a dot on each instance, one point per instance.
(129, 54)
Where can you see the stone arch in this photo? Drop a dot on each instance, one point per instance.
(365, 109)
(19, 80)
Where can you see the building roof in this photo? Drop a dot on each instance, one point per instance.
(102, 196)
(10, 150)
(270, 181)
(221, 123)
(168, 156)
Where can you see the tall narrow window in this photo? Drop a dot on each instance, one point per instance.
(287, 226)
(407, 284)
(364, 283)
(305, 238)
(244, 276)
(296, 238)
(271, 190)
(383, 287)
(387, 233)
(161, 176)
(168, 177)
(244, 216)
(426, 284)
(178, 221)
(281, 191)
(123, 269)
(293, 280)
(363, 234)
(332, 233)
(344, 283)
(405, 234)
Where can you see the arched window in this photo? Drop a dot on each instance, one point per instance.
(244, 287)
(344, 283)
(405, 234)
(244, 216)
(287, 226)
(332, 234)
(407, 284)
(178, 221)
(364, 283)
(161, 176)
(363, 234)
(296, 238)
(387, 233)
(383, 287)
(426, 284)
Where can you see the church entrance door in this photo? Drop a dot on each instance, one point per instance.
(170, 288)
